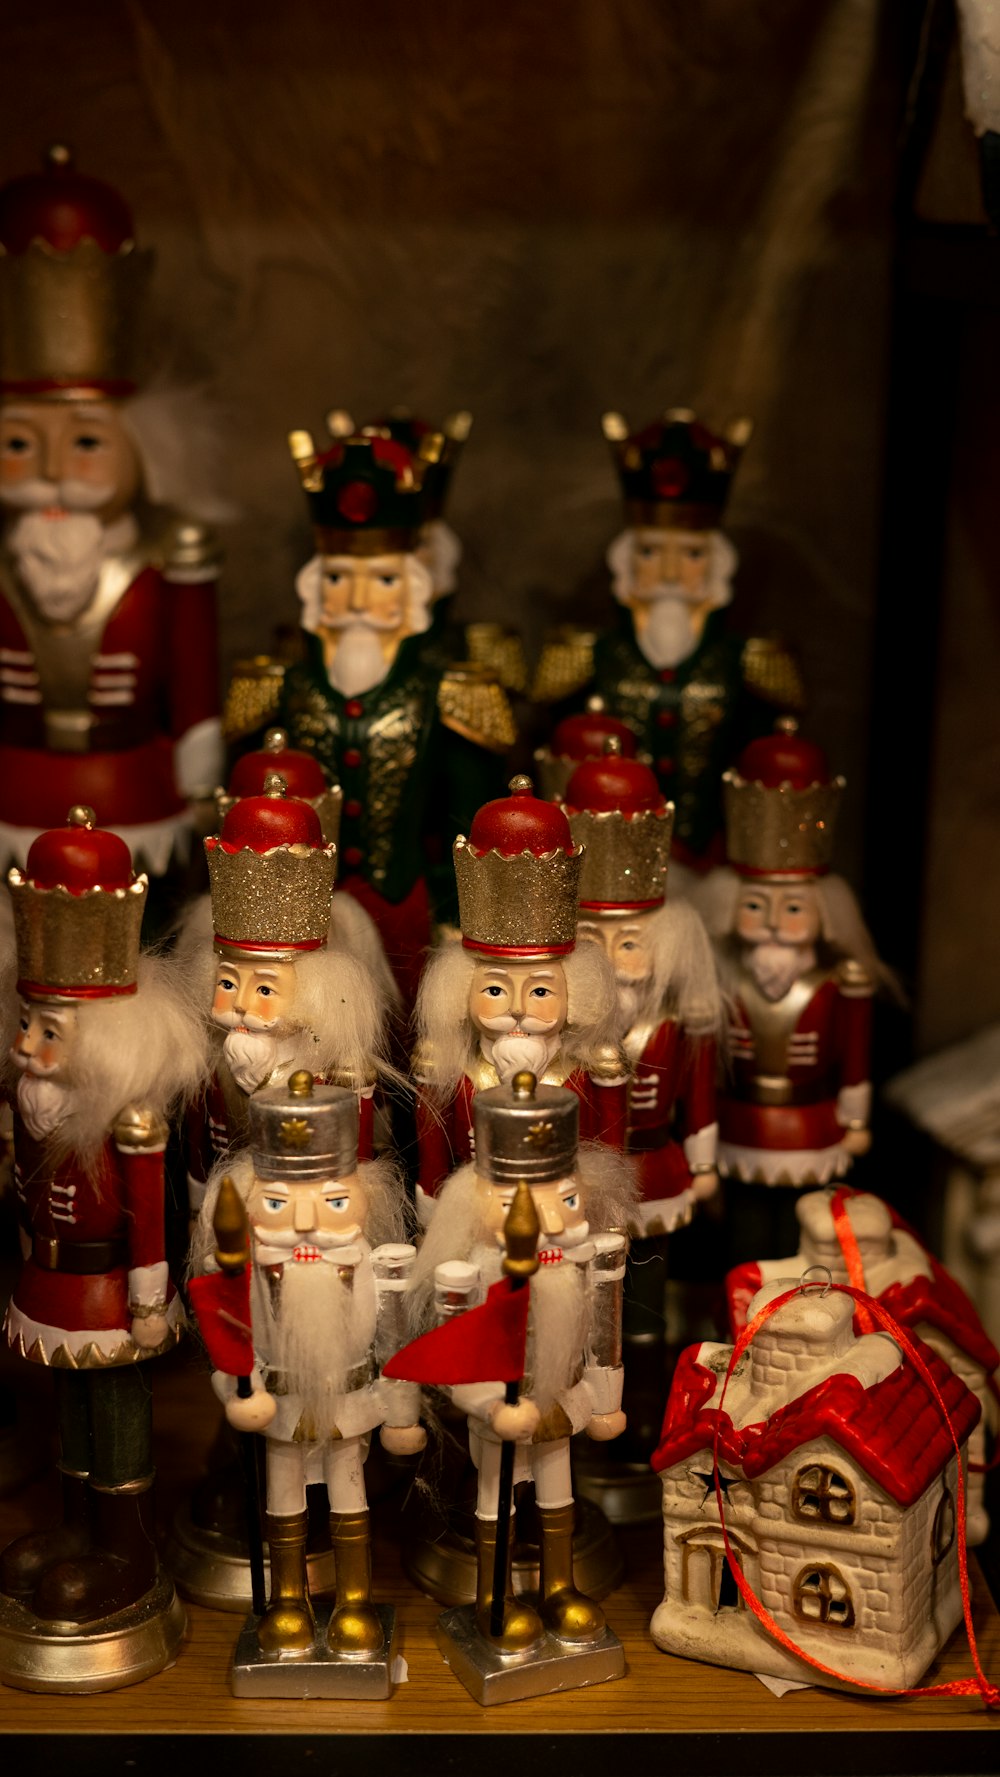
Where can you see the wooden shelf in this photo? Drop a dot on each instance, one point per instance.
(705, 1719)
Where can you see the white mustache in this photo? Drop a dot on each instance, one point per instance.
(667, 589)
(323, 1239)
(358, 620)
(28, 1064)
(508, 1025)
(72, 496)
(249, 1021)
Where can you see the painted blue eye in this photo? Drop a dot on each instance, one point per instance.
(337, 1204)
(275, 1204)
(572, 1201)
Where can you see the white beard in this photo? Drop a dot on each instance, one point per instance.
(776, 967)
(323, 1327)
(359, 663)
(252, 1056)
(669, 635)
(43, 1104)
(59, 560)
(631, 998)
(512, 1055)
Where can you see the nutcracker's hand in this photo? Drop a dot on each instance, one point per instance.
(705, 1185)
(856, 1141)
(403, 1440)
(149, 1331)
(515, 1423)
(603, 1426)
(252, 1412)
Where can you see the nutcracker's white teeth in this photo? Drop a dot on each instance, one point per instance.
(306, 1254)
(550, 1255)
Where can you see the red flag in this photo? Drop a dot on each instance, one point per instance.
(222, 1306)
(483, 1345)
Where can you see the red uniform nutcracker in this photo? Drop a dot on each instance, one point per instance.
(102, 1049)
(108, 671)
(800, 971)
(516, 993)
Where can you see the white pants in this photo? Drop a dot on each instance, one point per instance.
(546, 1464)
(291, 1468)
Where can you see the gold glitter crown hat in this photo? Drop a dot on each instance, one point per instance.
(71, 282)
(77, 913)
(304, 1131)
(518, 876)
(781, 805)
(303, 774)
(271, 875)
(618, 813)
(526, 1131)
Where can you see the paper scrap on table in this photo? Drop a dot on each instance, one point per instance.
(399, 1671)
(779, 1686)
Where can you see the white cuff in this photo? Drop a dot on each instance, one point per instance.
(199, 758)
(700, 1149)
(147, 1285)
(476, 1398)
(604, 1389)
(854, 1106)
(197, 1192)
(400, 1401)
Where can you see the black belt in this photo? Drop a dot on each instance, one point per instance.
(81, 1258)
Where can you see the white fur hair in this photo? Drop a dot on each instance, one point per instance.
(723, 562)
(353, 930)
(448, 1038)
(444, 553)
(419, 594)
(147, 1049)
(843, 929)
(387, 1218)
(607, 1187)
(684, 982)
(177, 434)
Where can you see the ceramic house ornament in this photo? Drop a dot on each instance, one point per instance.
(838, 1477)
(103, 1048)
(516, 993)
(324, 1309)
(909, 1282)
(108, 683)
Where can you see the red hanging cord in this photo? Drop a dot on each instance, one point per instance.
(960, 1687)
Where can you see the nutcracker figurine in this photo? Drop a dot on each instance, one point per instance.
(102, 1049)
(575, 739)
(412, 741)
(799, 970)
(108, 671)
(320, 1308)
(516, 992)
(559, 1214)
(692, 690)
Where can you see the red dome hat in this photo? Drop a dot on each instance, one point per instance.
(77, 913)
(576, 738)
(271, 875)
(781, 805)
(303, 775)
(618, 813)
(71, 280)
(518, 875)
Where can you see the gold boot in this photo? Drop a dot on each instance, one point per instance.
(522, 1625)
(355, 1625)
(288, 1625)
(565, 1611)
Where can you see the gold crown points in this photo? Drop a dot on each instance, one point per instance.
(280, 897)
(524, 902)
(87, 940)
(311, 467)
(625, 856)
(780, 829)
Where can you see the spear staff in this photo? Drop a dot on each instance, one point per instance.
(520, 1231)
(221, 1301)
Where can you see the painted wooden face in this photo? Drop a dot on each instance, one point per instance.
(45, 1039)
(527, 996)
(75, 455)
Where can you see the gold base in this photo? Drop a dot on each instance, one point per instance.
(105, 1656)
(212, 1569)
(443, 1564)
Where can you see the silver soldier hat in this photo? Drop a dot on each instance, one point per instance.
(303, 1131)
(526, 1131)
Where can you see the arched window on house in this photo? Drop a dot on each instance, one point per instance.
(822, 1595)
(822, 1494)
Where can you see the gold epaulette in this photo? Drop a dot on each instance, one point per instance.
(609, 1065)
(501, 649)
(422, 1063)
(566, 664)
(253, 696)
(853, 979)
(137, 1129)
(190, 551)
(472, 702)
(352, 1080)
(772, 673)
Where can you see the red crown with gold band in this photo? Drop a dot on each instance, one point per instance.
(518, 877)
(675, 473)
(618, 813)
(781, 806)
(271, 875)
(71, 283)
(366, 494)
(303, 774)
(575, 739)
(77, 913)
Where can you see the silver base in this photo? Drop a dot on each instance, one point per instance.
(318, 1673)
(214, 1570)
(492, 1676)
(36, 1655)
